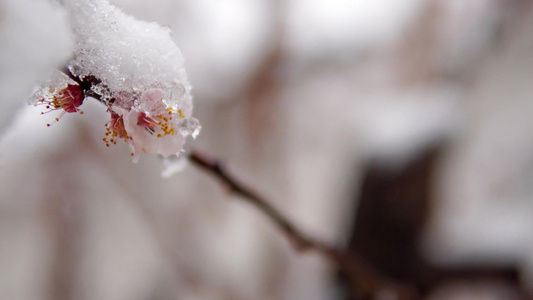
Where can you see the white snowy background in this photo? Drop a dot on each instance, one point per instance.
(295, 96)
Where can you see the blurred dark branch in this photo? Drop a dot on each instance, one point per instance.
(364, 281)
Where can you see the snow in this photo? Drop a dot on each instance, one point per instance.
(396, 126)
(125, 53)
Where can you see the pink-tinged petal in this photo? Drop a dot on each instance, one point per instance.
(153, 95)
(151, 140)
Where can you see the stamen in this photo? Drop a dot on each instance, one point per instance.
(67, 99)
(115, 130)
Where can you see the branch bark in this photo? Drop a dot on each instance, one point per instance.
(364, 281)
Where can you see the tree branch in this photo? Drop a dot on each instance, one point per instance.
(364, 281)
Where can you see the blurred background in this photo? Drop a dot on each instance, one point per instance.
(397, 129)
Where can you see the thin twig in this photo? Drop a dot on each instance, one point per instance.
(364, 281)
(86, 84)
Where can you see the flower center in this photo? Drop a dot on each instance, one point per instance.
(160, 123)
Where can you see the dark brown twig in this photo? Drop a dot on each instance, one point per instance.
(86, 84)
(364, 281)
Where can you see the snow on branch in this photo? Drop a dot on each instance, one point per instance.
(135, 69)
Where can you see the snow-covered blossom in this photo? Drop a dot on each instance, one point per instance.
(137, 71)
(156, 124)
